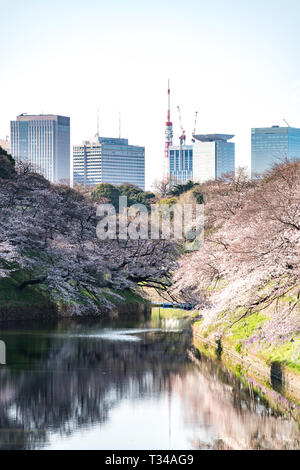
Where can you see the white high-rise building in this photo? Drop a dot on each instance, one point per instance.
(213, 156)
(109, 160)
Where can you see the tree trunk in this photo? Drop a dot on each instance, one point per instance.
(32, 282)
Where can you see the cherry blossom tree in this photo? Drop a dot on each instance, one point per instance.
(251, 253)
(48, 232)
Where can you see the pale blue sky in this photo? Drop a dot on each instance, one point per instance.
(237, 62)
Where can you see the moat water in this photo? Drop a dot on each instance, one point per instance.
(120, 385)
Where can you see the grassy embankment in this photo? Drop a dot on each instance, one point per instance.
(11, 296)
(177, 313)
(35, 297)
(237, 339)
(237, 336)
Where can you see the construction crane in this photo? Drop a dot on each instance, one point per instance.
(195, 125)
(182, 138)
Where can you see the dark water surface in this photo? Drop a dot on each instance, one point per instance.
(92, 385)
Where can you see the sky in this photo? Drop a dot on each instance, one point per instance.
(235, 62)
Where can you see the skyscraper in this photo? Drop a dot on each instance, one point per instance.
(213, 156)
(181, 163)
(270, 145)
(109, 160)
(43, 141)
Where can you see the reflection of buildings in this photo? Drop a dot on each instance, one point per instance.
(109, 160)
(44, 141)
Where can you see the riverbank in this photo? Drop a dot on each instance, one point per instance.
(262, 342)
(264, 366)
(32, 303)
(279, 388)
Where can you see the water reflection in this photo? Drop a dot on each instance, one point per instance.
(124, 386)
(214, 399)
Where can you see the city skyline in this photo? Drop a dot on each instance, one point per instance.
(236, 81)
(183, 160)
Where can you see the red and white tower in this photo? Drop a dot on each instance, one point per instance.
(169, 136)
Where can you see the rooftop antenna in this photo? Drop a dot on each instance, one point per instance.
(98, 123)
(286, 123)
(119, 125)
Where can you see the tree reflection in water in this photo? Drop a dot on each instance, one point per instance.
(60, 380)
(74, 381)
(215, 399)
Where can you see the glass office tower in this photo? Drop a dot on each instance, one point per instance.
(43, 141)
(109, 160)
(213, 156)
(270, 145)
(181, 163)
